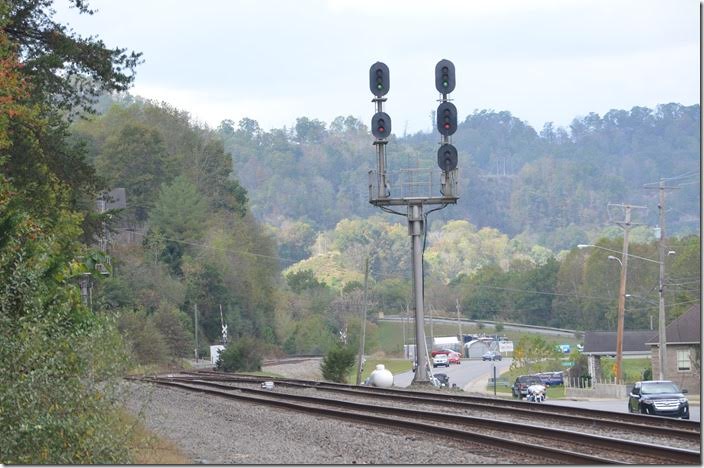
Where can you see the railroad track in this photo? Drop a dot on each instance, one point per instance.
(688, 432)
(543, 444)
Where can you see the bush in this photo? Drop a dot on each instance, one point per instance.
(648, 374)
(243, 355)
(172, 323)
(337, 364)
(147, 344)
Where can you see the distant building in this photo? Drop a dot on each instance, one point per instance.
(598, 344)
(683, 341)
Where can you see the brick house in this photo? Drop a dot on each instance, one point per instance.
(598, 344)
(683, 339)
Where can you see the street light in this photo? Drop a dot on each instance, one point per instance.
(623, 261)
(584, 246)
(662, 339)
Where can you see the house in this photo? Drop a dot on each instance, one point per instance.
(603, 343)
(683, 341)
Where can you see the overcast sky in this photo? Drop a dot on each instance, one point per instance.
(274, 61)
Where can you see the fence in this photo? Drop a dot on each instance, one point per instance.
(587, 387)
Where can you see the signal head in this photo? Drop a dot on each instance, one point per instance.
(445, 76)
(447, 157)
(379, 79)
(381, 125)
(447, 118)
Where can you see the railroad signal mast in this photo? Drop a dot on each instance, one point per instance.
(414, 187)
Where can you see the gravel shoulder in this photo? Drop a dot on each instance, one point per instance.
(220, 431)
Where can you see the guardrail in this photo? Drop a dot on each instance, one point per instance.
(465, 321)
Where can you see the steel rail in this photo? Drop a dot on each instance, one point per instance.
(544, 434)
(688, 430)
(547, 453)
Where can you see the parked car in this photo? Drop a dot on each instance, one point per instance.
(520, 386)
(551, 379)
(491, 356)
(453, 356)
(441, 360)
(658, 397)
(443, 379)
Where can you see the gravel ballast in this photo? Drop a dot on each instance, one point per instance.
(221, 431)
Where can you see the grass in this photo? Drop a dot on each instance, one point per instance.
(395, 366)
(146, 448)
(631, 369)
(390, 337)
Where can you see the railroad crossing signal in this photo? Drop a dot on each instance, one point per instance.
(379, 79)
(447, 157)
(381, 125)
(447, 118)
(445, 76)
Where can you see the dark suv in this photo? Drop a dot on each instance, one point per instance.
(520, 386)
(658, 397)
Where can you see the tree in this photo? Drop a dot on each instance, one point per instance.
(338, 363)
(66, 70)
(180, 212)
(530, 350)
(242, 355)
(136, 159)
(60, 362)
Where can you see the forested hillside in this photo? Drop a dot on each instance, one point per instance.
(505, 252)
(551, 187)
(258, 239)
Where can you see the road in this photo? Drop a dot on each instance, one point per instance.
(466, 374)
(473, 376)
(620, 406)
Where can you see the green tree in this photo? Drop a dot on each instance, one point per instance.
(173, 325)
(337, 364)
(136, 159)
(60, 363)
(180, 211)
(147, 344)
(242, 355)
(66, 69)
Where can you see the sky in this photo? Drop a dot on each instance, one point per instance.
(277, 60)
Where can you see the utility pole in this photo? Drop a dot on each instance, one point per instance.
(195, 318)
(415, 195)
(662, 323)
(363, 324)
(403, 322)
(459, 322)
(626, 226)
(432, 334)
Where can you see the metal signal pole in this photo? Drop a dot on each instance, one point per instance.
(363, 324)
(380, 193)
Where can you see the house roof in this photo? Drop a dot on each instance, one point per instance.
(604, 342)
(685, 329)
